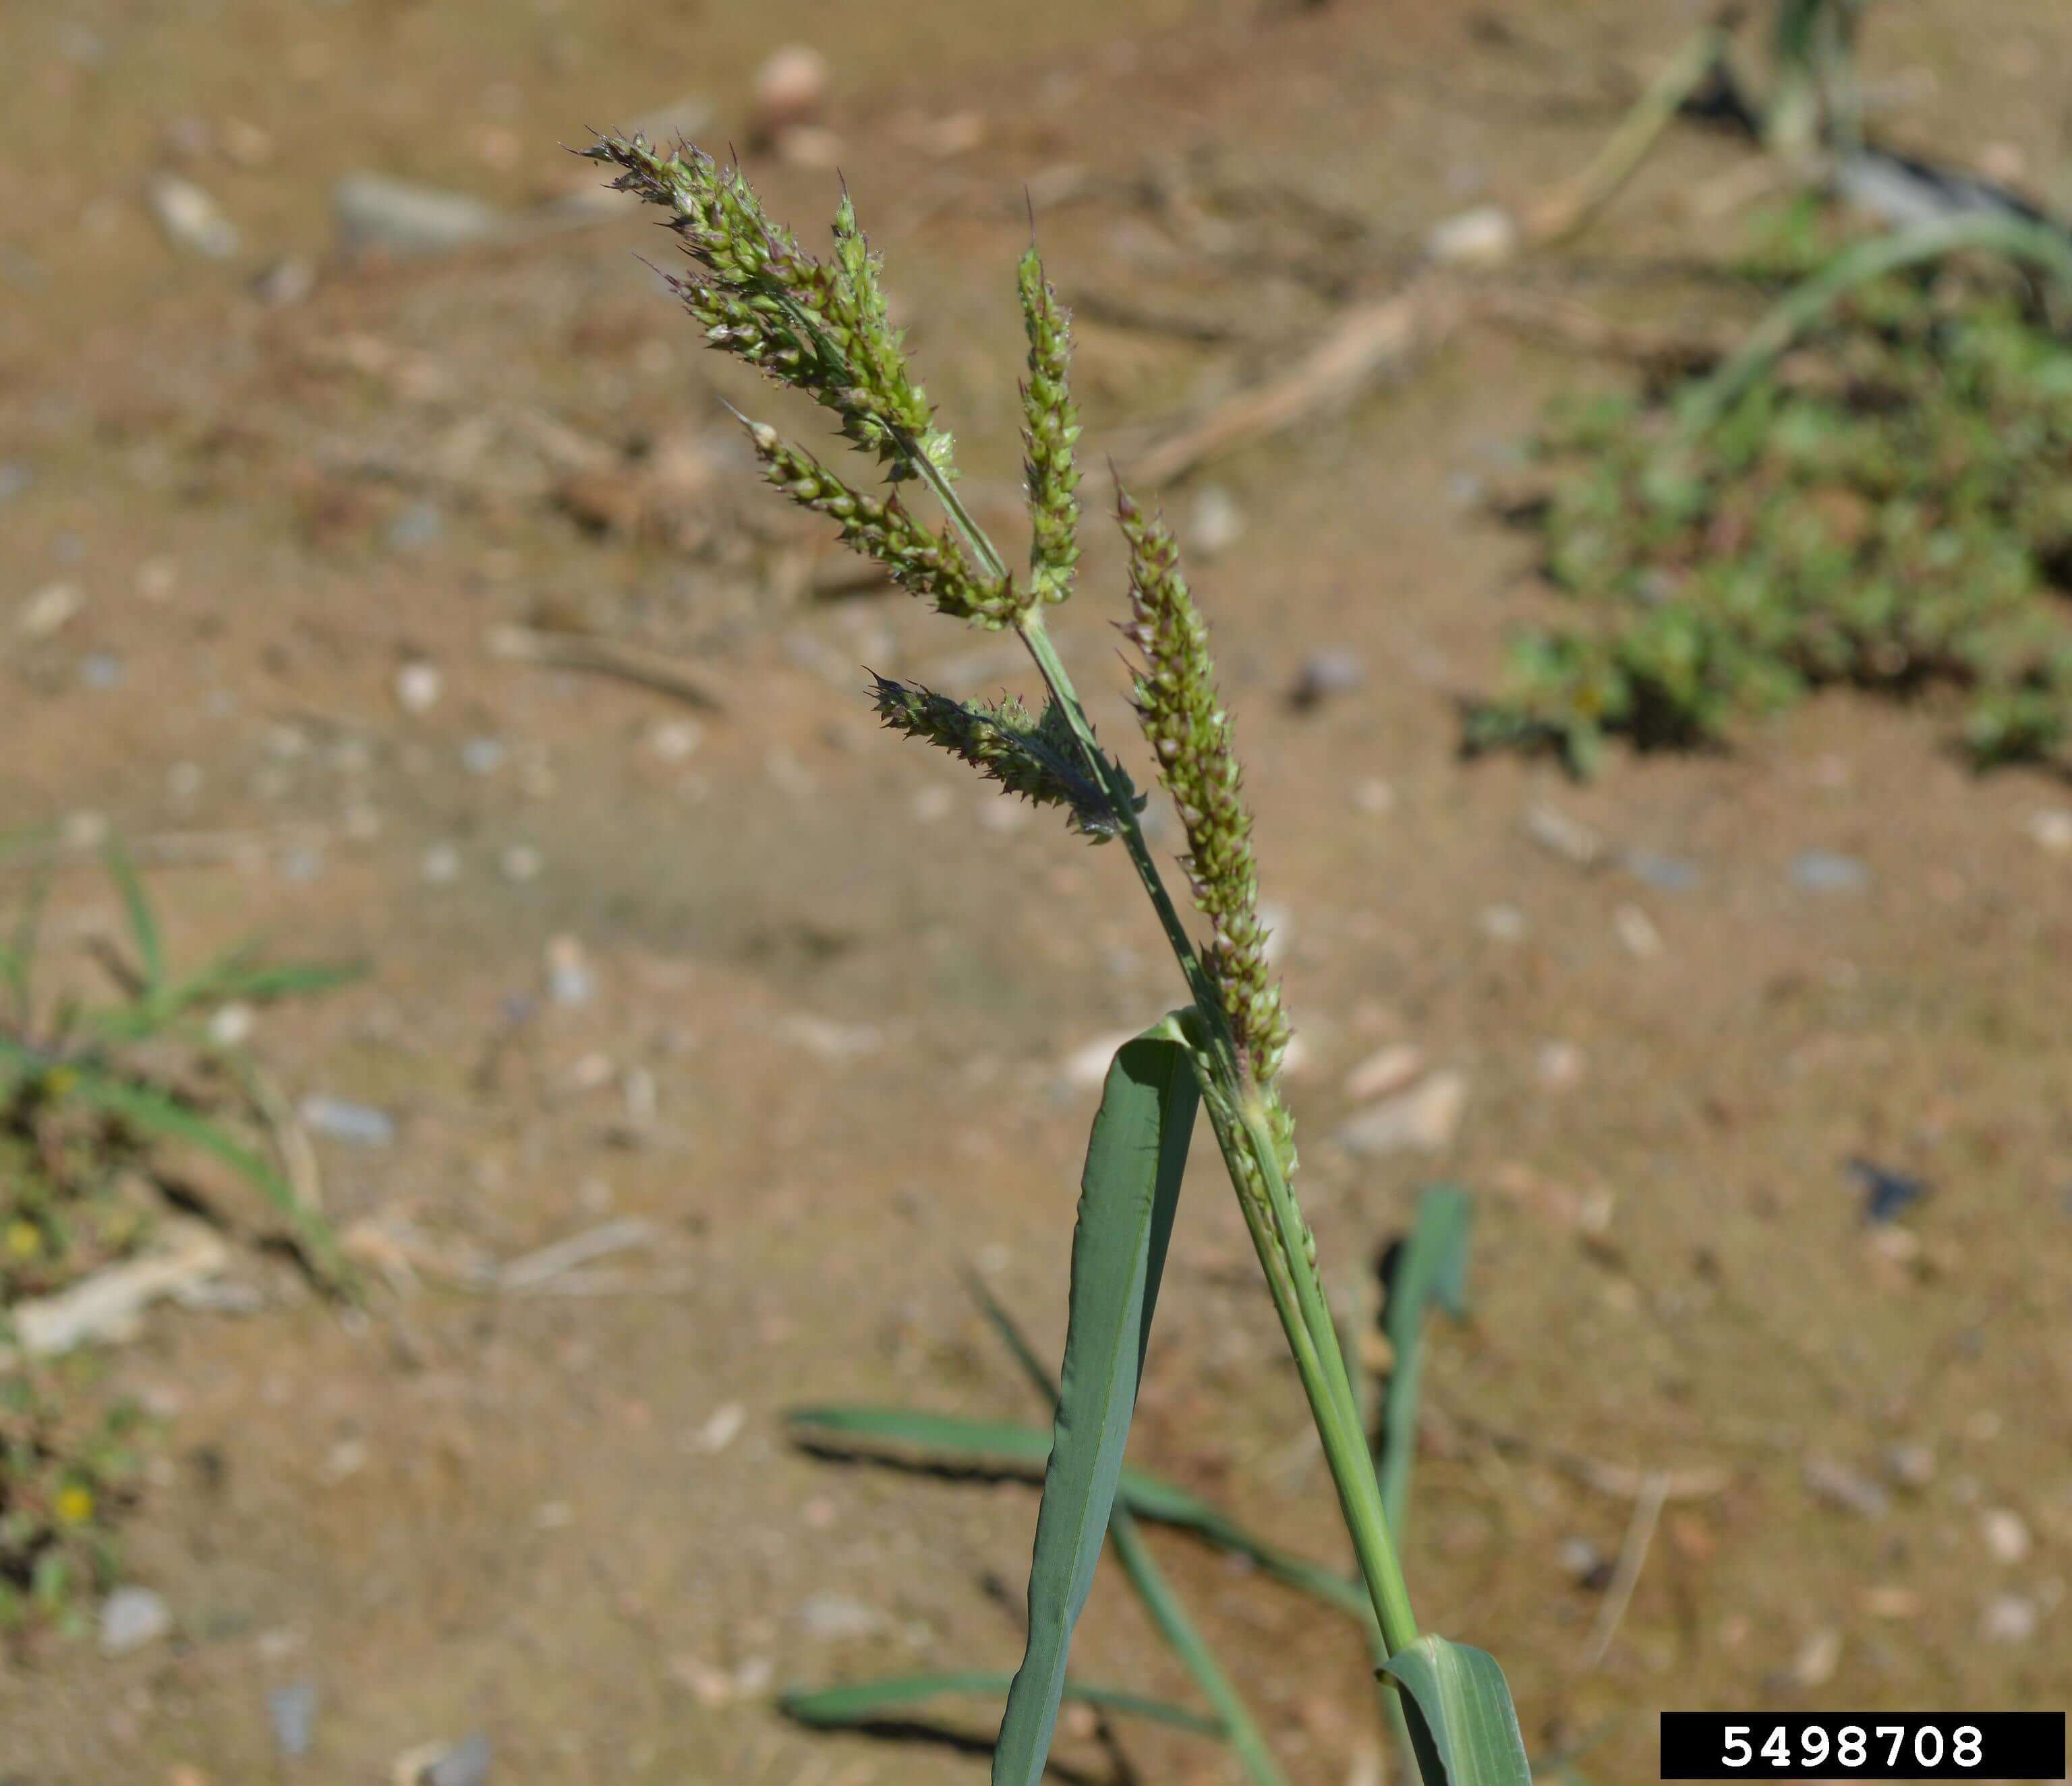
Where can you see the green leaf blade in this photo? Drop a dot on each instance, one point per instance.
(143, 920)
(1462, 1723)
(1128, 1193)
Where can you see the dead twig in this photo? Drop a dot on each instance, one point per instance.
(1618, 1480)
(291, 1140)
(1367, 340)
(108, 1306)
(1095, 306)
(1568, 211)
(1632, 1558)
(573, 651)
(1568, 324)
(536, 1271)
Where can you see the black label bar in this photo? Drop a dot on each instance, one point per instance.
(1825, 1745)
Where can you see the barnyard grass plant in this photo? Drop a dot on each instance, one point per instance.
(821, 327)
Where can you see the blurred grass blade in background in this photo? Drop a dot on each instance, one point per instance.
(951, 1443)
(143, 921)
(1462, 1723)
(871, 1701)
(1128, 1193)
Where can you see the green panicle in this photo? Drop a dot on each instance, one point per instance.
(932, 566)
(817, 328)
(1039, 759)
(1187, 727)
(1050, 425)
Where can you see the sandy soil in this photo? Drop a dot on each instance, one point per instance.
(847, 980)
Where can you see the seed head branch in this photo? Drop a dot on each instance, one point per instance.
(1038, 759)
(931, 566)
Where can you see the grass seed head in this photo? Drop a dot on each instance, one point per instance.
(1188, 729)
(1050, 425)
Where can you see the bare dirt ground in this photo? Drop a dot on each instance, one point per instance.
(833, 989)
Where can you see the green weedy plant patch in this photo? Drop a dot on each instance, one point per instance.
(819, 328)
(1875, 491)
(69, 1470)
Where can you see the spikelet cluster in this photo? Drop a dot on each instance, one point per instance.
(817, 327)
(934, 566)
(1038, 759)
(1050, 426)
(1187, 727)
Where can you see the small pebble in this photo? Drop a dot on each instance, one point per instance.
(286, 281)
(301, 863)
(49, 611)
(483, 756)
(100, 669)
(1559, 1065)
(1911, 1464)
(1671, 873)
(1889, 1600)
(1585, 1563)
(1887, 1195)
(418, 686)
(791, 89)
(1214, 521)
(932, 803)
(2008, 1619)
(520, 863)
(2051, 830)
(1636, 930)
(130, 1618)
(569, 978)
(420, 526)
(1332, 671)
(230, 1026)
(337, 1119)
(2006, 1534)
(156, 578)
(373, 213)
(466, 1763)
(1486, 236)
(1374, 796)
(1502, 923)
(1424, 1119)
(1826, 871)
(292, 1710)
(676, 740)
(1384, 1072)
(1818, 1658)
(1569, 838)
(723, 1428)
(190, 218)
(1836, 1483)
(833, 1619)
(14, 478)
(440, 864)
